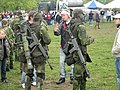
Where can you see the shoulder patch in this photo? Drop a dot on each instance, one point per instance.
(82, 27)
(42, 28)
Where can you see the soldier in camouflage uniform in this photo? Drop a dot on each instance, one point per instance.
(37, 58)
(10, 37)
(15, 27)
(79, 32)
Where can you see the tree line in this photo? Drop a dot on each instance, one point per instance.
(25, 4)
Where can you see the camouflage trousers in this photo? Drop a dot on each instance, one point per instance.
(79, 78)
(40, 74)
(10, 61)
(79, 82)
(17, 51)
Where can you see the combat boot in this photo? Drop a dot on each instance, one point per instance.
(71, 79)
(61, 80)
(7, 68)
(11, 67)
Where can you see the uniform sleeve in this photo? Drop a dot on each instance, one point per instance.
(82, 34)
(12, 36)
(9, 34)
(45, 36)
(116, 48)
(25, 42)
(7, 47)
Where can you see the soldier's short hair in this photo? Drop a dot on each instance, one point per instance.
(31, 14)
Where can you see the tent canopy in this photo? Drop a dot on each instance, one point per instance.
(93, 4)
(113, 4)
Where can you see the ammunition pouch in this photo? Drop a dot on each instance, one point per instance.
(38, 60)
(87, 58)
(69, 59)
(83, 49)
(66, 48)
(36, 52)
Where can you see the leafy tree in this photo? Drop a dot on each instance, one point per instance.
(18, 4)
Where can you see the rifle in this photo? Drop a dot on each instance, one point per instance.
(76, 48)
(36, 43)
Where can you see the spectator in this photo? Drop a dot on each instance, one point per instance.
(0, 20)
(91, 18)
(23, 78)
(61, 31)
(97, 20)
(85, 17)
(58, 18)
(4, 53)
(102, 13)
(116, 48)
(52, 18)
(108, 15)
(48, 18)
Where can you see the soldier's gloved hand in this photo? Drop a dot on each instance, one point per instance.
(29, 63)
(91, 39)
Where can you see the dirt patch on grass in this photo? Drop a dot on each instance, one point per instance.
(51, 85)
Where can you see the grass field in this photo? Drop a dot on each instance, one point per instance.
(102, 68)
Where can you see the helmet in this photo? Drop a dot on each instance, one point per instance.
(78, 13)
(14, 24)
(38, 18)
(19, 13)
(0, 17)
(5, 22)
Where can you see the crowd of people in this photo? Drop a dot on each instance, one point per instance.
(17, 34)
(25, 36)
(99, 16)
(11, 43)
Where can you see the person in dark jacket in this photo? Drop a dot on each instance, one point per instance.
(91, 18)
(61, 30)
(4, 53)
(97, 20)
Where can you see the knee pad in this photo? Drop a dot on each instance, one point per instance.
(41, 75)
(30, 74)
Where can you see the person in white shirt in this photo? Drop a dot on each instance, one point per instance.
(116, 48)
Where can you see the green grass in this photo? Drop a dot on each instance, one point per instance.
(102, 68)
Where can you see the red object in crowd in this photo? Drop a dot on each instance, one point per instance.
(48, 16)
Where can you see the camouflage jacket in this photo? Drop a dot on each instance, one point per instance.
(43, 37)
(79, 32)
(4, 49)
(9, 34)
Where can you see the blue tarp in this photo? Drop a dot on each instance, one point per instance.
(94, 5)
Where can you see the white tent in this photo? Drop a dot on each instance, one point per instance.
(93, 4)
(113, 4)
